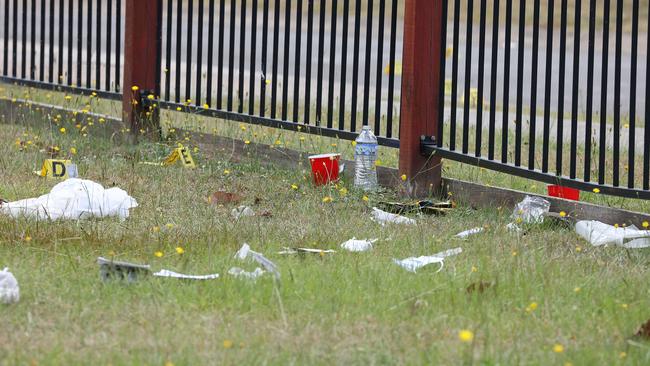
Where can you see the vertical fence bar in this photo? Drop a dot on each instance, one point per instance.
(70, 39)
(222, 6)
(319, 72)
(190, 46)
(332, 62)
(616, 133)
(23, 48)
(633, 75)
(308, 60)
(296, 77)
(274, 66)
(242, 56)
(118, 43)
(89, 43)
(590, 91)
(532, 131)
(380, 53)
(253, 64)
(602, 146)
(141, 50)
(209, 71)
(646, 130)
(366, 80)
(548, 75)
(493, 78)
(344, 58)
(355, 67)
(454, 77)
(179, 37)
(264, 78)
(109, 34)
(5, 35)
(575, 90)
(419, 107)
(32, 45)
(79, 40)
(285, 70)
(14, 49)
(506, 83)
(481, 75)
(59, 74)
(50, 69)
(199, 53)
(391, 65)
(41, 66)
(168, 48)
(98, 46)
(521, 42)
(468, 74)
(560, 109)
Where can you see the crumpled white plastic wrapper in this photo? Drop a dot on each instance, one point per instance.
(356, 245)
(245, 251)
(513, 228)
(74, 199)
(412, 264)
(531, 210)
(305, 250)
(467, 233)
(598, 233)
(242, 211)
(238, 272)
(383, 217)
(168, 273)
(9, 290)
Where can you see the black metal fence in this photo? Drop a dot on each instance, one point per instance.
(67, 45)
(578, 83)
(324, 67)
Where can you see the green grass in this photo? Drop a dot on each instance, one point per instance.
(340, 309)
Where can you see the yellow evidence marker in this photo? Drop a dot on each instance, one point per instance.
(54, 168)
(181, 154)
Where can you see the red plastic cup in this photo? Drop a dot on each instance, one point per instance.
(325, 168)
(563, 192)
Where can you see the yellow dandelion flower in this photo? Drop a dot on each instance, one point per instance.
(578, 249)
(278, 142)
(151, 97)
(62, 129)
(624, 306)
(179, 109)
(403, 177)
(514, 253)
(155, 229)
(247, 142)
(302, 138)
(558, 348)
(111, 253)
(333, 144)
(327, 199)
(596, 190)
(93, 94)
(294, 187)
(158, 254)
(227, 344)
(101, 120)
(627, 125)
(226, 171)
(180, 250)
(206, 106)
(188, 101)
(343, 191)
(576, 289)
(354, 143)
(134, 88)
(645, 224)
(28, 238)
(530, 308)
(169, 225)
(562, 214)
(67, 98)
(466, 335)
(73, 151)
(365, 198)
(378, 162)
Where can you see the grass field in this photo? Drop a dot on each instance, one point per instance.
(553, 299)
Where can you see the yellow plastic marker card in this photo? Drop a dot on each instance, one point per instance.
(54, 168)
(182, 154)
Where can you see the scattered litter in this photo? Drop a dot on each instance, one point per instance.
(644, 330)
(246, 251)
(531, 210)
(238, 272)
(598, 233)
(9, 290)
(305, 250)
(426, 207)
(74, 199)
(266, 213)
(412, 264)
(116, 270)
(514, 228)
(355, 245)
(478, 287)
(168, 273)
(383, 217)
(223, 197)
(465, 234)
(242, 211)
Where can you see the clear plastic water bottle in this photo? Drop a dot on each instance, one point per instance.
(365, 156)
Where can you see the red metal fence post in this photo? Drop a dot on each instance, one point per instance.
(141, 66)
(420, 93)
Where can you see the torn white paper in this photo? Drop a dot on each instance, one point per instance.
(356, 245)
(466, 233)
(598, 233)
(412, 264)
(9, 290)
(383, 217)
(246, 251)
(74, 199)
(242, 211)
(531, 210)
(168, 273)
(238, 272)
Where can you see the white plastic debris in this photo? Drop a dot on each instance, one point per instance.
(245, 251)
(9, 290)
(531, 210)
(356, 245)
(288, 250)
(242, 211)
(238, 272)
(383, 217)
(74, 199)
(412, 264)
(467, 233)
(513, 228)
(598, 233)
(168, 273)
